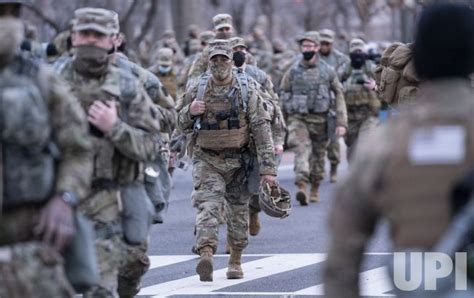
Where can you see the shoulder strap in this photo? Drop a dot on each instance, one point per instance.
(243, 81)
(128, 91)
(202, 85)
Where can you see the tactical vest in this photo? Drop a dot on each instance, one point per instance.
(355, 94)
(28, 150)
(224, 125)
(310, 89)
(416, 198)
(257, 74)
(110, 166)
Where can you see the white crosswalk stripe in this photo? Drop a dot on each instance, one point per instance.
(373, 282)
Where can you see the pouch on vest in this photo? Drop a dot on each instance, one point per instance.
(223, 139)
(300, 104)
(137, 213)
(80, 261)
(323, 100)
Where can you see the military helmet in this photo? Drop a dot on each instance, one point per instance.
(274, 200)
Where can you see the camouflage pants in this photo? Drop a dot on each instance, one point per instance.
(32, 269)
(218, 179)
(355, 128)
(136, 265)
(102, 208)
(309, 142)
(110, 257)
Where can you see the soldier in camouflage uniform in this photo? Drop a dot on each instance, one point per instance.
(165, 70)
(277, 122)
(123, 127)
(394, 177)
(223, 29)
(340, 62)
(361, 100)
(136, 261)
(306, 88)
(224, 118)
(45, 168)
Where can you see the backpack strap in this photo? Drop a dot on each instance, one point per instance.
(202, 85)
(243, 81)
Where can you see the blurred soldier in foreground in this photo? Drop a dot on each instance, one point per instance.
(45, 168)
(306, 88)
(224, 114)
(405, 169)
(339, 61)
(278, 125)
(361, 100)
(123, 127)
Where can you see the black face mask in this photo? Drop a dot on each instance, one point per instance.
(358, 60)
(239, 58)
(308, 55)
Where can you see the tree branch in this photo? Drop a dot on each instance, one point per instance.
(146, 26)
(45, 18)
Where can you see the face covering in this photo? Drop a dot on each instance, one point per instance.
(358, 60)
(11, 35)
(91, 61)
(220, 71)
(223, 35)
(308, 55)
(239, 58)
(164, 69)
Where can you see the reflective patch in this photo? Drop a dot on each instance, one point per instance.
(442, 144)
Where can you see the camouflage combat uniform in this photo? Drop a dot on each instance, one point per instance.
(306, 100)
(44, 150)
(221, 156)
(411, 191)
(339, 62)
(118, 156)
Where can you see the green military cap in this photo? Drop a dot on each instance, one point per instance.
(165, 56)
(222, 20)
(311, 36)
(326, 35)
(220, 47)
(96, 19)
(356, 44)
(207, 36)
(237, 42)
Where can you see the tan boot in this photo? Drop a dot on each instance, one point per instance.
(254, 224)
(205, 267)
(234, 271)
(302, 195)
(333, 178)
(314, 196)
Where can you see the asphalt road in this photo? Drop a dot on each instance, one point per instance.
(285, 260)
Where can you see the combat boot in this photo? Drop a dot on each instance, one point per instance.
(314, 196)
(205, 267)
(234, 271)
(333, 174)
(254, 224)
(301, 195)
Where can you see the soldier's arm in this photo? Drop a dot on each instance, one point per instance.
(185, 119)
(353, 218)
(285, 88)
(138, 137)
(260, 128)
(71, 135)
(341, 110)
(341, 68)
(278, 121)
(198, 67)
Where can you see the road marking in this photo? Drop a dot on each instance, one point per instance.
(162, 261)
(253, 270)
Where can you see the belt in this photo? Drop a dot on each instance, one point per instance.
(227, 153)
(107, 231)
